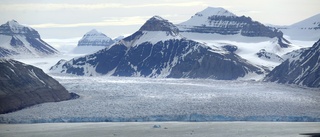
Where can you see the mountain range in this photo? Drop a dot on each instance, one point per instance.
(161, 49)
(158, 50)
(18, 40)
(214, 43)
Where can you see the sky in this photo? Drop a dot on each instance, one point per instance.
(71, 19)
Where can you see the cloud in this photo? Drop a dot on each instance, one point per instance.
(55, 6)
(109, 21)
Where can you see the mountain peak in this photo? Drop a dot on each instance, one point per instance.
(22, 41)
(13, 23)
(214, 11)
(94, 32)
(156, 17)
(157, 23)
(95, 38)
(14, 27)
(202, 18)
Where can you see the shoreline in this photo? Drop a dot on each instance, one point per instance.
(158, 129)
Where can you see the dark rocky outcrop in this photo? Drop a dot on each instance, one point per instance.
(269, 56)
(230, 48)
(303, 69)
(23, 85)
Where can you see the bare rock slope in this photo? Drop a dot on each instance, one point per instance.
(24, 85)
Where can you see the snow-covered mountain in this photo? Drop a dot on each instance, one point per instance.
(158, 50)
(23, 85)
(221, 21)
(254, 41)
(91, 42)
(19, 40)
(95, 38)
(308, 29)
(302, 69)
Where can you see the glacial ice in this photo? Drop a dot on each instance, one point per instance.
(129, 99)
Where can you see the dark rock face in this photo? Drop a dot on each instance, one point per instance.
(203, 63)
(301, 70)
(32, 45)
(230, 48)
(23, 85)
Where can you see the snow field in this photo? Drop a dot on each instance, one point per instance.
(146, 99)
(249, 46)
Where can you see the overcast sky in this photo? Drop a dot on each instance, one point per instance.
(62, 19)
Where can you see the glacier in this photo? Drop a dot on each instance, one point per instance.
(131, 99)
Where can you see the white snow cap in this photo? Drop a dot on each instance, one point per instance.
(118, 38)
(15, 27)
(92, 33)
(201, 18)
(214, 11)
(95, 35)
(14, 24)
(158, 18)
